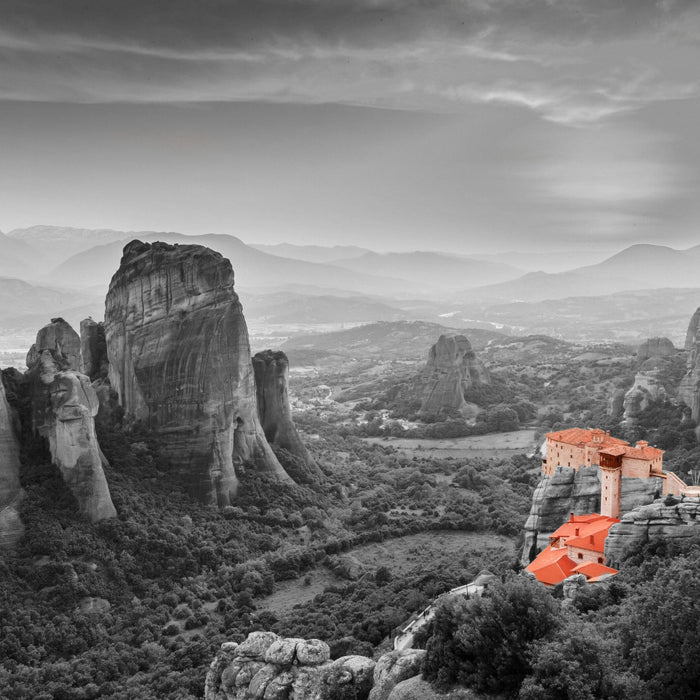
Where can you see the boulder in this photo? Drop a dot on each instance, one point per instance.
(11, 493)
(238, 672)
(64, 406)
(256, 645)
(452, 368)
(179, 359)
(313, 652)
(394, 667)
(271, 384)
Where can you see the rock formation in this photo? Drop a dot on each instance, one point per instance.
(179, 359)
(691, 336)
(689, 389)
(670, 518)
(64, 405)
(93, 349)
(647, 388)
(569, 491)
(393, 668)
(271, 381)
(11, 493)
(275, 668)
(452, 368)
(655, 347)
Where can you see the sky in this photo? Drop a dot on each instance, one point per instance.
(458, 125)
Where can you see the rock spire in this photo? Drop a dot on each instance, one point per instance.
(179, 358)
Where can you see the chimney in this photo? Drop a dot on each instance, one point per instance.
(641, 444)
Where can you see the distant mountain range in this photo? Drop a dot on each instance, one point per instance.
(635, 268)
(312, 253)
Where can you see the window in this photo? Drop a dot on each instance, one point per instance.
(580, 556)
(600, 560)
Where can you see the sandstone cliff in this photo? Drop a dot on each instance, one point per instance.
(11, 527)
(689, 389)
(452, 368)
(93, 349)
(647, 388)
(655, 347)
(179, 359)
(673, 519)
(569, 491)
(64, 405)
(271, 384)
(691, 335)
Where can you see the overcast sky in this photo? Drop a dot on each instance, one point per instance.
(465, 125)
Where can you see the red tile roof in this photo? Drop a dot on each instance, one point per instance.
(583, 436)
(553, 564)
(594, 571)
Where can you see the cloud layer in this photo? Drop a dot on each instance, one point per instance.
(574, 62)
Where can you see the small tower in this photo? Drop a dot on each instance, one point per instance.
(610, 481)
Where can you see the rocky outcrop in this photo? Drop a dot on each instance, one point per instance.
(271, 384)
(11, 527)
(646, 389)
(673, 519)
(569, 491)
(276, 668)
(417, 688)
(452, 369)
(393, 668)
(93, 349)
(689, 389)
(64, 343)
(64, 405)
(179, 359)
(691, 336)
(616, 403)
(655, 347)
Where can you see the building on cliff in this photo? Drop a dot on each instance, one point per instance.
(586, 447)
(577, 547)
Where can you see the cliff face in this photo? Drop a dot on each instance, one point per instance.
(64, 405)
(689, 389)
(11, 527)
(271, 383)
(179, 358)
(655, 347)
(670, 519)
(569, 491)
(452, 368)
(93, 349)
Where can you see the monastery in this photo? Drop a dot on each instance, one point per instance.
(578, 546)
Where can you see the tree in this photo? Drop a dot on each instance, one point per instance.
(482, 642)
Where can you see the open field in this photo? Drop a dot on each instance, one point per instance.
(491, 445)
(400, 555)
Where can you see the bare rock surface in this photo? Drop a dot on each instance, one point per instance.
(670, 518)
(646, 389)
(64, 406)
(394, 667)
(11, 527)
(452, 368)
(179, 359)
(692, 336)
(655, 347)
(275, 668)
(689, 389)
(569, 491)
(271, 382)
(93, 349)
